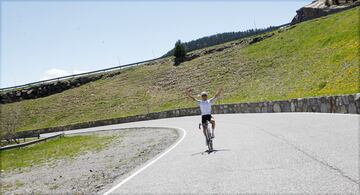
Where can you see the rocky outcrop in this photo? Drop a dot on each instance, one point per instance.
(260, 38)
(321, 8)
(243, 42)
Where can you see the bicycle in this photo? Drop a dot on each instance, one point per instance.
(209, 139)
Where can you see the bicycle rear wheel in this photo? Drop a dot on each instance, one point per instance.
(210, 141)
(210, 145)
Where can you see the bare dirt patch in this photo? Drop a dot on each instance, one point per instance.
(91, 172)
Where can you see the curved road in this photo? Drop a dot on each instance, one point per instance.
(257, 153)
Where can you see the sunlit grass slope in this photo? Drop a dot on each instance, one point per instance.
(52, 150)
(318, 57)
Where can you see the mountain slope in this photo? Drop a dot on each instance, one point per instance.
(318, 57)
(220, 38)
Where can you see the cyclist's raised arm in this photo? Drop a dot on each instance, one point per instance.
(219, 91)
(217, 94)
(190, 96)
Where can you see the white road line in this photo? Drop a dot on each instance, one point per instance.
(148, 164)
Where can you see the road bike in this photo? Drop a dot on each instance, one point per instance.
(209, 139)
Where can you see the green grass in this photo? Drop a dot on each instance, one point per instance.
(55, 149)
(318, 57)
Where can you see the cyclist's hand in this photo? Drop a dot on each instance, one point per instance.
(189, 91)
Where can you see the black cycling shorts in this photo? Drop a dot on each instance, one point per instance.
(205, 118)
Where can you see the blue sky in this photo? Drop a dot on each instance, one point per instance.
(45, 39)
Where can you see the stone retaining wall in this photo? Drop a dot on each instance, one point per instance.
(46, 89)
(327, 104)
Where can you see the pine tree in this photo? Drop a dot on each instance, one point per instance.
(179, 52)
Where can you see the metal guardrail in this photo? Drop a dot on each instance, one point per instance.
(30, 142)
(76, 75)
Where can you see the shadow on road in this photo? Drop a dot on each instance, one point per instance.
(211, 152)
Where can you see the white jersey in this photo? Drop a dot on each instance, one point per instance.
(205, 106)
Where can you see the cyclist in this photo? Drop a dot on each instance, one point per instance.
(205, 108)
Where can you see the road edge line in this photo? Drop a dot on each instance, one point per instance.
(148, 163)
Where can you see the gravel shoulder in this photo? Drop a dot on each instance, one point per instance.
(92, 172)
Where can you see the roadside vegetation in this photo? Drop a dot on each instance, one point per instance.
(314, 58)
(9, 124)
(82, 164)
(55, 149)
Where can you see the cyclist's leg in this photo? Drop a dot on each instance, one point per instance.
(212, 121)
(204, 127)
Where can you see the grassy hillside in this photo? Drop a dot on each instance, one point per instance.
(318, 57)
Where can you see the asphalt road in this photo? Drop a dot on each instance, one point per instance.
(256, 153)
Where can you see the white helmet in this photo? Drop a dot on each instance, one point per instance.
(204, 93)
